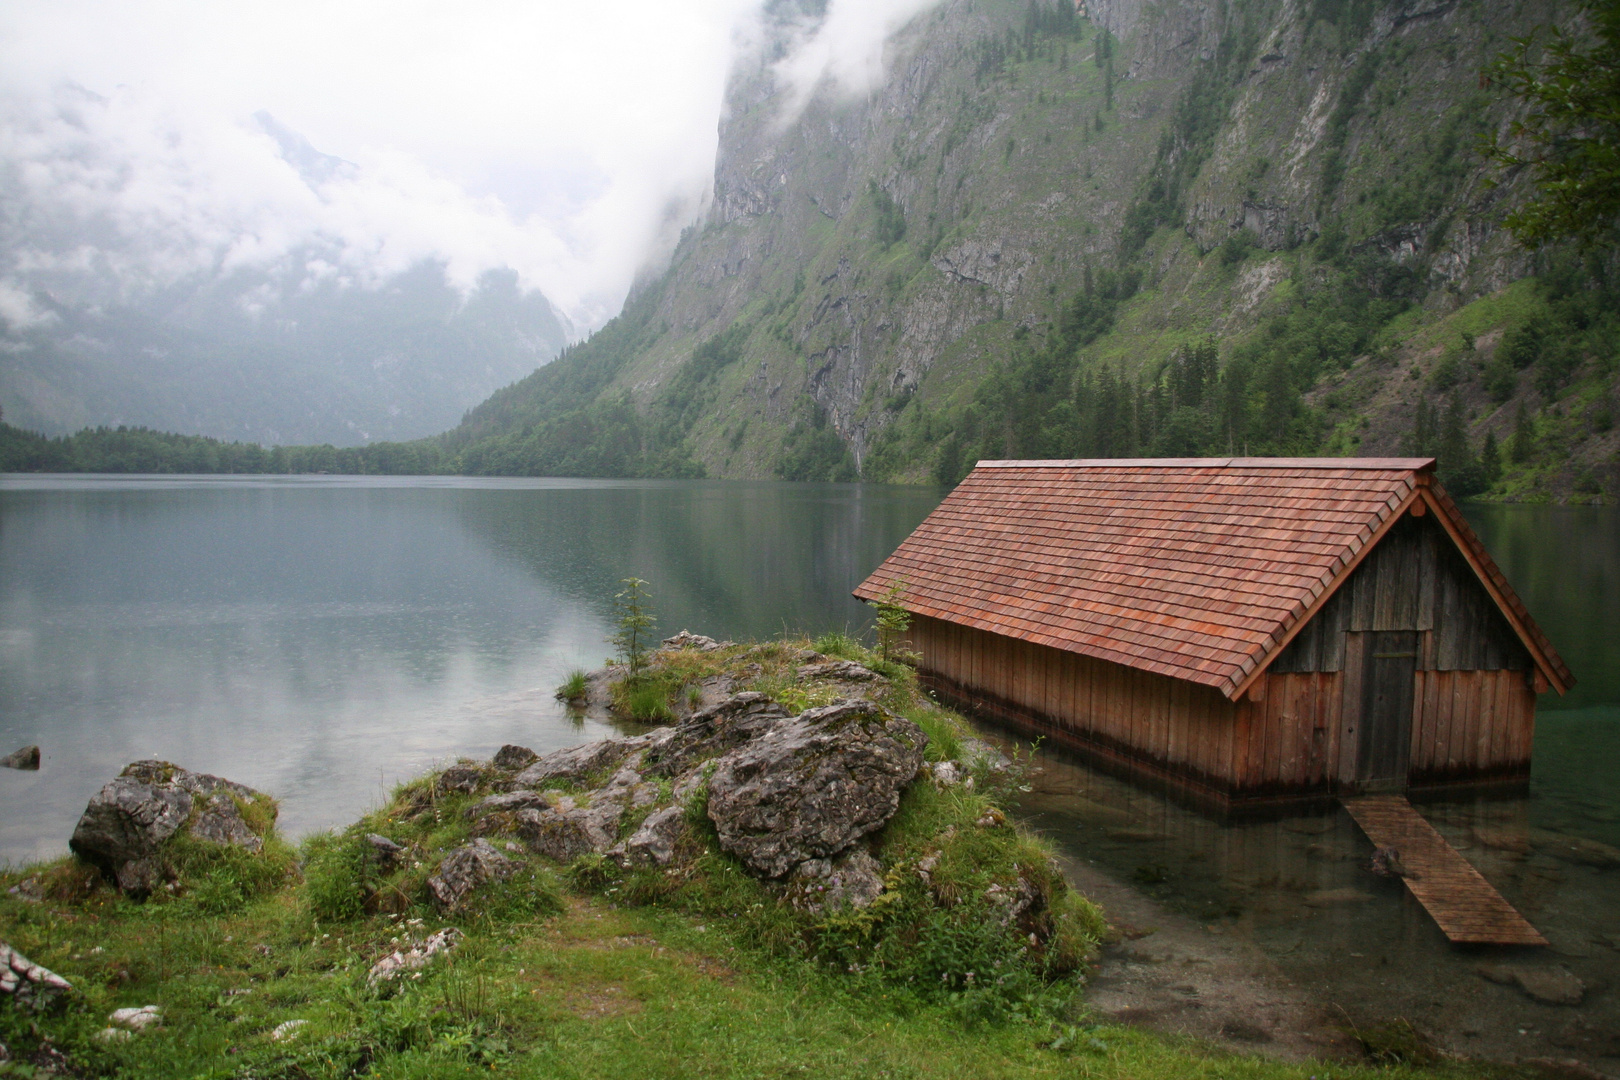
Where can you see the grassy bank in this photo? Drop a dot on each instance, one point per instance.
(260, 963)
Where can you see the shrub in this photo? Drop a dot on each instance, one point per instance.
(336, 876)
(573, 687)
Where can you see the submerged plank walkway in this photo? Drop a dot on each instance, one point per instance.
(1465, 905)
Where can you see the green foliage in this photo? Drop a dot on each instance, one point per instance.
(644, 699)
(813, 451)
(573, 687)
(1568, 137)
(634, 618)
(893, 620)
(338, 875)
(838, 643)
(1237, 247)
(889, 224)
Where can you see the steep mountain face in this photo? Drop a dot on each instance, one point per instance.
(1167, 228)
(257, 358)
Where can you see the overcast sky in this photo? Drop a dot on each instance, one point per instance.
(555, 137)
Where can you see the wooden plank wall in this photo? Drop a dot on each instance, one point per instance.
(1469, 726)
(1168, 727)
(1414, 580)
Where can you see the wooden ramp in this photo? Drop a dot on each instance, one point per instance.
(1465, 905)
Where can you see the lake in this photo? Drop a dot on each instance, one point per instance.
(323, 638)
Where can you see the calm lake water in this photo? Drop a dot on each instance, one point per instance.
(322, 638)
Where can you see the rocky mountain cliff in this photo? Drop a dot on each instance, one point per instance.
(1141, 228)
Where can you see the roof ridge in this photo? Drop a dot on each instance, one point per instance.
(1384, 464)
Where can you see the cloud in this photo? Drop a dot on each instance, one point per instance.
(842, 52)
(146, 142)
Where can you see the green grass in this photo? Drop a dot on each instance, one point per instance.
(573, 687)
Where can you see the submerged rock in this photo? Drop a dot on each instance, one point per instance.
(466, 868)
(127, 822)
(1548, 985)
(26, 758)
(811, 786)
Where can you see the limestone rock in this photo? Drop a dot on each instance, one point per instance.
(564, 834)
(127, 822)
(575, 763)
(460, 779)
(220, 822)
(513, 758)
(688, 640)
(654, 842)
(507, 802)
(387, 853)
(713, 731)
(416, 957)
(25, 758)
(466, 868)
(810, 787)
(137, 1019)
(838, 671)
(854, 879)
(28, 983)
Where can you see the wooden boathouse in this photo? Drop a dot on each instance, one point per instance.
(1244, 631)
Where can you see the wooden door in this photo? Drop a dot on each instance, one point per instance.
(1389, 669)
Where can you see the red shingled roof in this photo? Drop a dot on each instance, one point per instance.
(1199, 569)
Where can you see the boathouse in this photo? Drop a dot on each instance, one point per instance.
(1243, 630)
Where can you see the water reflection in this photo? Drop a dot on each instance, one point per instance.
(321, 638)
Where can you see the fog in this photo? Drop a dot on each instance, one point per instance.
(148, 144)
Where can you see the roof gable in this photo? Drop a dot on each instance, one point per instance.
(1199, 569)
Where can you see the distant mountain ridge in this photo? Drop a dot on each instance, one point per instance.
(1172, 228)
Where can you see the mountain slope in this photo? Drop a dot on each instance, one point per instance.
(1170, 228)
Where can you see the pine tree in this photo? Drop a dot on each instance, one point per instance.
(636, 624)
(1523, 443)
(1490, 459)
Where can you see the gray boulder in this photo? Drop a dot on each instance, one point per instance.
(575, 763)
(713, 731)
(688, 640)
(653, 844)
(838, 671)
(810, 787)
(512, 758)
(25, 758)
(459, 779)
(466, 868)
(127, 822)
(566, 832)
(26, 982)
(854, 879)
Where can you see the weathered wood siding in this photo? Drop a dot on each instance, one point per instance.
(1415, 579)
(1156, 725)
(1294, 733)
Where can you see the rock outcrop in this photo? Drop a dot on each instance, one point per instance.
(27, 983)
(466, 868)
(785, 792)
(26, 758)
(127, 823)
(810, 787)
